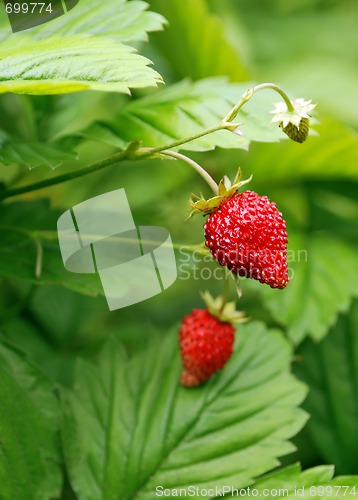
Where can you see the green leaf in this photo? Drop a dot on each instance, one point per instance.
(291, 482)
(66, 114)
(122, 20)
(14, 151)
(29, 423)
(58, 65)
(129, 426)
(52, 324)
(29, 249)
(331, 370)
(83, 52)
(186, 109)
(199, 39)
(325, 276)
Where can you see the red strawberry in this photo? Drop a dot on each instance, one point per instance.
(246, 233)
(206, 343)
(207, 338)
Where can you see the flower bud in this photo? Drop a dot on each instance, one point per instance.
(297, 134)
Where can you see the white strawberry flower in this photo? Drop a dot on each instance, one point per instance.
(301, 109)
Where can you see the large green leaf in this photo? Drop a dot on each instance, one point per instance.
(29, 431)
(199, 39)
(84, 51)
(290, 482)
(58, 65)
(331, 370)
(186, 109)
(129, 426)
(125, 21)
(325, 276)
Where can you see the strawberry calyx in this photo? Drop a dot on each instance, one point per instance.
(226, 190)
(222, 310)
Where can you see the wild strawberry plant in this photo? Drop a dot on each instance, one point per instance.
(172, 394)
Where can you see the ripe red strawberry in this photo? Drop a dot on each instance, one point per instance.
(207, 338)
(206, 343)
(248, 235)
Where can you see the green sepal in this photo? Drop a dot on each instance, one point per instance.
(226, 190)
(222, 310)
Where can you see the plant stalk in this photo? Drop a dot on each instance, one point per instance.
(250, 92)
(135, 153)
(205, 175)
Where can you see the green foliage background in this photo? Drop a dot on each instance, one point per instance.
(90, 402)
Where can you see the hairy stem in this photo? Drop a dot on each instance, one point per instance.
(249, 93)
(133, 152)
(107, 162)
(226, 294)
(220, 126)
(39, 259)
(205, 175)
(128, 154)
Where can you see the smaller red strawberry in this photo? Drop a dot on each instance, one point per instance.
(207, 339)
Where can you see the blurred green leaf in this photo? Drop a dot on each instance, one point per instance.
(129, 426)
(334, 207)
(316, 64)
(331, 370)
(332, 154)
(14, 151)
(315, 482)
(29, 421)
(325, 276)
(29, 243)
(186, 109)
(52, 325)
(22, 331)
(196, 43)
(65, 114)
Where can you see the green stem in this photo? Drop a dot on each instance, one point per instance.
(205, 175)
(226, 294)
(135, 153)
(128, 154)
(220, 126)
(238, 287)
(42, 237)
(249, 93)
(107, 162)
(39, 259)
